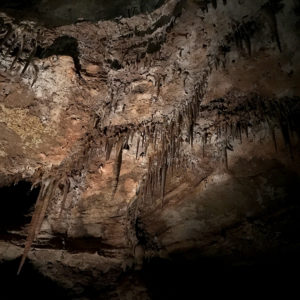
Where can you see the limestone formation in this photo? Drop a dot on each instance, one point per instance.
(140, 131)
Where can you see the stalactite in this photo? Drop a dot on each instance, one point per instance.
(152, 186)
(238, 39)
(18, 54)
(36, 69)
(11, 46)
(205, 137)
(108, 148)
(191, 133)
(286, 135)
(48, 196)
(247, 42)
(226, 129)
(172, 153)
(146, 147)
(225, 158)
(239, 131)
(117, 166)
(164, 169)
(231, 129)
(219, 130)
(214, 3)
(273, 133)
(32, 227)
(246, 131)
(271, 11)
(151, 134)
(158, 87)
(217, 62)
(132, 135)
(143, 138)
(31, 56)
(149, 181)
(66, 189)
(137, 147)
(127, 135)
(146, 187)
(143, 194)
(42, 202)
(7, 36)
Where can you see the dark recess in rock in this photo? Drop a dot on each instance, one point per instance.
(64, 45)
(190, 276)
(28, 285)
(153, 47)
(17, 201)
(115, 64)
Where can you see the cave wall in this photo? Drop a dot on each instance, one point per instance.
(151, 136)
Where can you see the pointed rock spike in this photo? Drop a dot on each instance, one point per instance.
(32, 227)
(31, 56)
(65, 194)
(137, 147)
(117, 166)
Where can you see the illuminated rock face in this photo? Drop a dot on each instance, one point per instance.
(157, 143)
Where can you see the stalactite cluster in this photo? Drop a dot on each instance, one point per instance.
(56, 184)
(204, 4)
(242, 33)
(49, 186)
(163, 140)
(234, 117)
(18, 45)
(270, 9)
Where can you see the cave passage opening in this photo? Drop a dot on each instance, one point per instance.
(16, 205)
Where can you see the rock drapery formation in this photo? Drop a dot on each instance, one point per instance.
(147, 133)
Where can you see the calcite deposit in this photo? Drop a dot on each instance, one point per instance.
(139, 137)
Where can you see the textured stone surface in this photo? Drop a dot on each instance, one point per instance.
(176, 131)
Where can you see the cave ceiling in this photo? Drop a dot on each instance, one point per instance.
(57, 13)
(137, 131)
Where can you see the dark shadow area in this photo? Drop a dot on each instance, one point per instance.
(63, 45)
(30, 284)
(16, 203)
(205, 278)
(232, 265)
(87, 244)
(58, 13)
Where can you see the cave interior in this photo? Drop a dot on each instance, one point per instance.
(149, 149)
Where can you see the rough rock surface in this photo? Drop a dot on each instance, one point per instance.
(171, 133)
